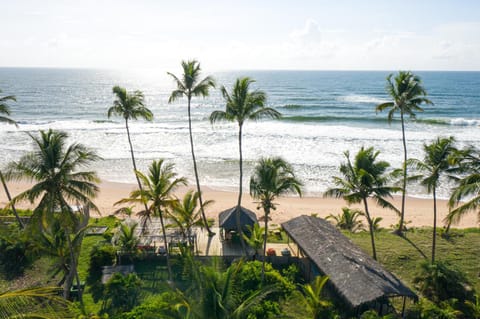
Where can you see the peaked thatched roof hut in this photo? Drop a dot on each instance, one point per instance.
(227, 219)
(356, 277)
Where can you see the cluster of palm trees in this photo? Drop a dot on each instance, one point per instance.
(365, 177)
(61, 178)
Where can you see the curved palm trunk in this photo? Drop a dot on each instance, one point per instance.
(267, 213)
(210, 233)
(434, 238)
(240, 191)
(370, 227)
(169, 268)
(19, 220)
(73, 274)
(135, 169)
(404, 183)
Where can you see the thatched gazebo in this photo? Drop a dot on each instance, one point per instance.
(228, 220)
(355, 279)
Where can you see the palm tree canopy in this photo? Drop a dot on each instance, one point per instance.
(158, 186)
(365, 177)
(129, 105)
(243, 104)
(190, 84)
(468, 186)
(185, 213)
(55, 169)
(273, 177)
(43, 302)
(437, 159)
(407, 92)
(5, 109)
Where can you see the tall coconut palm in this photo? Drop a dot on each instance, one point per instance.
(408, 94)
(156, 193)
(130, 106)
(272, 177)
(243, 105)
(190, 85)
(468, 186)
(54, 168)
(5, 109)
(436, 161)
(364, 178)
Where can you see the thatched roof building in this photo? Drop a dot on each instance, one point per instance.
(356, 277)
(227, 219)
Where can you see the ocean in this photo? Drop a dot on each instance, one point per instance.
(324, 114)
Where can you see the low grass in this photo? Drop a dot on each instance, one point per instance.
(402, 255)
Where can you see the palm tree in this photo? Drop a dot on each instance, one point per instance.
(190, 85)
(363, 178)
(42, 302)
(408, 94)
(185, 214)
(5, 109)
(468, 186)
(215, 295)
(316, 305)
(126, 239)
(130, 106)
(243, 105)
(63, 241)
(272, 177)
(256, 238)
(54, 167)
(156, 194)
(348, 219)
(436, 162)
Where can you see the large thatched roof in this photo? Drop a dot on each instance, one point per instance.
(356, 276)
(227, 218)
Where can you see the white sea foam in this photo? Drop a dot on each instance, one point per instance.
(464, 122)
(354, 98)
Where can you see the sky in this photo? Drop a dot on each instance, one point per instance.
(242, 35)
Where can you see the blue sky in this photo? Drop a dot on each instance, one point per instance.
(226, 35)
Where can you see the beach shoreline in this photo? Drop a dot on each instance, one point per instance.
(419, 211)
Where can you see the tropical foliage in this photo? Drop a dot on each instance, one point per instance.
(5, 109)
(190, 85)
(363, 179)
(407, 93)
(130, 106)
(242, 105)
(54, 168)
(272, 177)
(348, 219)
(34, 303)
(185, 214)
(436, 162)
(465, 198)
(156, 194)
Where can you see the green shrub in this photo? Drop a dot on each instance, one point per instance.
(121, 293)
(156, 306)
(441, 281)
(249, 279)
(103, 255)
(14, 248)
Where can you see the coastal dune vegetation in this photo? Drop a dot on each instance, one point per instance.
(51, 266)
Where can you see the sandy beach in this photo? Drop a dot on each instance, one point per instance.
(418, 211)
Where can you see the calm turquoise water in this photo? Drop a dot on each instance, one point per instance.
(325, 113)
